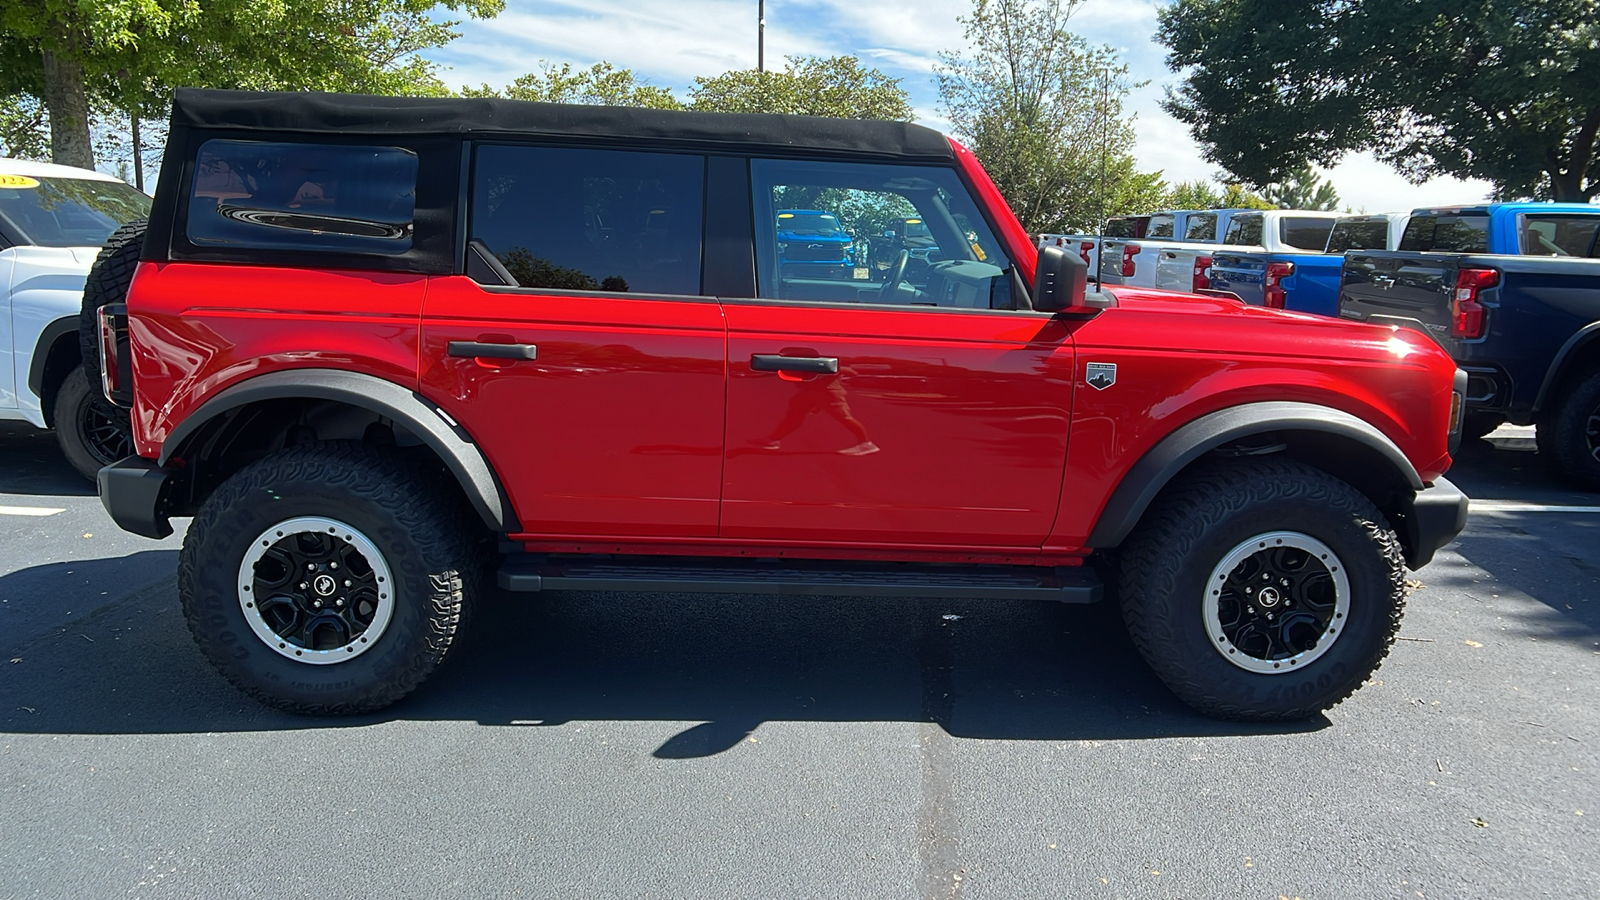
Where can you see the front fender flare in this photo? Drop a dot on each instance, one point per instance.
(404, 406)
(1167, 458)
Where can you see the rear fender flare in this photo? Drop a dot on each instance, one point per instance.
(1558, 366)
(1151, 474)
(424, 419)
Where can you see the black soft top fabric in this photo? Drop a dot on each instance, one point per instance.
(361, 114)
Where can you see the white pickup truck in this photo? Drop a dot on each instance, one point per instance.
(53, 220)
(1137, 262)
(1087, 246)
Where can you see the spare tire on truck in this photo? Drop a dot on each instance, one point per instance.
(92, 432)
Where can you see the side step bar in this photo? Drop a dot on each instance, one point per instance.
(1065, 584)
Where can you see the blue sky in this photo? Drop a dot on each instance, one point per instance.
(669, 42)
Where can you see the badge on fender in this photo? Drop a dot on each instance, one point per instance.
(1101, 375)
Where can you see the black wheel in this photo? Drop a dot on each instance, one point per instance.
(1477, 425)
(1569, 435)
(1267, 590)
(108, 282)
(92, 433)
(329, 578)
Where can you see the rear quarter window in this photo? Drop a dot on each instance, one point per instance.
(292, 196)
(1305, 232)
(1447, 234)
(1560, 236)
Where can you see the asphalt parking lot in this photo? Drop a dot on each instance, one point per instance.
(644, 745)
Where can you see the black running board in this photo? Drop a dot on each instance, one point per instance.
(1065, 584)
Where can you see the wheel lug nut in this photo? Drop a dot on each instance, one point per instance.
(316, 604)
(339, 602)
(303, 585)
(1265, 576)
(311, 567)
(334, 565)
(347, 582)
(1250, 609)
(1284, 582)
(1248, 590)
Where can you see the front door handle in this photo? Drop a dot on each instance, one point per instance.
(816, 365)
(482, 350)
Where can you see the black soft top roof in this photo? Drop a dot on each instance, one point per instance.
(362, 114)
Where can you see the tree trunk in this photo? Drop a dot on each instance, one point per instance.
(68, 103)
(1567, 187)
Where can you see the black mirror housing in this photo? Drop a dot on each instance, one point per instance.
(1061, 282)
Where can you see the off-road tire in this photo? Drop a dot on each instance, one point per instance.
(416, 520)
(91, 432)
(1168, 561)
(1568, 435)
(108, 282)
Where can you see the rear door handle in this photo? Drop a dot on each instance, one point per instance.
(480, 349)
(772, 362)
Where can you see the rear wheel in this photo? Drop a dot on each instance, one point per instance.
(1263, 591)
(328, 578)
(1570, 434)
(92, 433)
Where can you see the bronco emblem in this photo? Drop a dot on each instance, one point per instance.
(1101, 375)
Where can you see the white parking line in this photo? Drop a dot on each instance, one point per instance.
(1492, 506)
(29, 510)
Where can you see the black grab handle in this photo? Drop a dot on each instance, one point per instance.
(477, 349)
(772, 362)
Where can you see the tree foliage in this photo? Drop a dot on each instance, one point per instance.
(1503, 90)
(1302, 188)
(836, 86)
(1043, 111)
(600, 85)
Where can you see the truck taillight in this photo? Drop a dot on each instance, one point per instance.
(115, 365)
(1083, 251)
(1129, 251)
(1466, 313)
(1202, 274)
(1273, 296)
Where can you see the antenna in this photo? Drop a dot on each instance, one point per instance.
(761, 35)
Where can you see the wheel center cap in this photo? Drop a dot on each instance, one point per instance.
(324, 585)
(1269, 597)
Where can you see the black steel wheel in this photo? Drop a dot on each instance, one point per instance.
(91, 432)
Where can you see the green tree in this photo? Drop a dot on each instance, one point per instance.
(22, 128)
(836, 86)
(600, 85)
(1234, 196)
(1503, 90)
(1302, 188)
(1193, 195)
(78, 57)
(1043, 111)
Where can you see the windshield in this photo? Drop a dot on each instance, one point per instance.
(916, 228)
(68, 212)
(816, 223)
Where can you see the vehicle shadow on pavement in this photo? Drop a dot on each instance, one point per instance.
(31, 463)
(980, 670)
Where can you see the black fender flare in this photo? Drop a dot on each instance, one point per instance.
(41, 352)
(1172, 453)
(419, 415)
(1579, 340)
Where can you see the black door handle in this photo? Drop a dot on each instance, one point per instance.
(475, 349)
(772, 362)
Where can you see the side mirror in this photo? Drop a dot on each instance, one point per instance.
(1061, 282)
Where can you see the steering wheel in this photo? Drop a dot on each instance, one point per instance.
(897, 274)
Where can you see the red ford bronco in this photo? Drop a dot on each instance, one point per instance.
(379, 348)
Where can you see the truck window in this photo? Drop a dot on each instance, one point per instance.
(330, 197)
(1447, 234)
(1125, 226)
(1201, 227)
(591, 220)
(1560, 235)
(67, 212)
(1245, 230)
(1160, 227)
(1305, 232)
(907, 235)
(1358, 235)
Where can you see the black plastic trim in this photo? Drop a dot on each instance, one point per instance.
(134, 492)
(1578, 340)
(728, 256)
(1437, 515)
(416, 413)
(41, 351)
(1183, 446)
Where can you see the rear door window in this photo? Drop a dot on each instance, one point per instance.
(1160, 227)
(1244, 230)
(1200, 227)
(1447, 234)
(589, 220)
(1305, 232)
(1560, 235)
(338, 198)
(1358, 235)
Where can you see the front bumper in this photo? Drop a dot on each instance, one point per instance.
(1437, 515)
(134, 492)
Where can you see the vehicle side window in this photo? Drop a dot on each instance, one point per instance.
(1160, 227)
(589, 220)
(1358, 236)
(1447, 234)
(1201, 227)
(326, 197)
(1305, 232)
(873, 233)
(1560, 235)
(1244, 230)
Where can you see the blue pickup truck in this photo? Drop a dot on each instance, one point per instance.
(1293, 269)
(1512, 292)
(812, 242)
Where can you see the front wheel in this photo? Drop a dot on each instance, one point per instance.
(328, 578)
(92, 433)
(1570, 434)
(1268, 590)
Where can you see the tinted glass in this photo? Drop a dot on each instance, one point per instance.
(1125, 226)
(1160, 227)
(68, 212)
(1447, 234)
(951, 258)
(1245, 230)
(337, 198)
(1305, 233)
(1201, 227)
(1358, 236)
(591, 220)
(1560, 235)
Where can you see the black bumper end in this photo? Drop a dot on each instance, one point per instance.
(1438, 514)
(134, 492)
